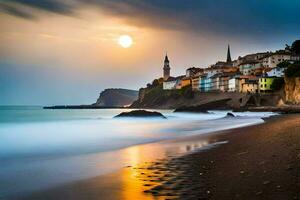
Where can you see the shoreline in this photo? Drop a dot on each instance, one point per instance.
(259, 161)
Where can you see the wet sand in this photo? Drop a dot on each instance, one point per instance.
(256, 162)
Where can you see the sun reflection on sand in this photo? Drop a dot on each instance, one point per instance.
(148, 168)
(132, 188)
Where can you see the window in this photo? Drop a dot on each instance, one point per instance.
(261, 85)
(265, 85)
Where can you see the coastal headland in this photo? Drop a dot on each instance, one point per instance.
(256, 162)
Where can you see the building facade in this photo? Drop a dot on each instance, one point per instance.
(250, 57)
(183, 82)
(193, 71)
(205, 83)
(276, 72)
(265, 84)
(233, 85)
(170, 85)
(274, 59)
(195, 83)
(250, 86)
(248, 68)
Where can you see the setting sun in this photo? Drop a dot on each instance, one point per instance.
(125, 41)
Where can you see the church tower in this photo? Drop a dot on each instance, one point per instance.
(228, 55)
(166, 68)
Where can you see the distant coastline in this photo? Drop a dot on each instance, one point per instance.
(83, 107)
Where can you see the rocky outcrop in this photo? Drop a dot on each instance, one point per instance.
(116, 98)
(292, 90)
(140, 113)
(230, 115)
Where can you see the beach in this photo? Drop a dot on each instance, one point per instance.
(256, 162)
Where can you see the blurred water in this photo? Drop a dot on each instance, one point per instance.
(42, 148)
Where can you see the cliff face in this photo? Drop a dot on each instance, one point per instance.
(170, 99)
(116, 97)
(292, 90)
(158, 98)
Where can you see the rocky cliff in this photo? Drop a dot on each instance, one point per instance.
(292, 90)
(116, 97)
(156, 97)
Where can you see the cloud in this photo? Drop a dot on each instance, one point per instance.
(227, 17)
(16, 7)
(231, 17)
(16, 12)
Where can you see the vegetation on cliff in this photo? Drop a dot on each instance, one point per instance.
(295, 48)
(293, 70)
(277, 84)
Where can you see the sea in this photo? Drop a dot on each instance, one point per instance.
(44, 148)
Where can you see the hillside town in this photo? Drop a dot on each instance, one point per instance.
(252, 73)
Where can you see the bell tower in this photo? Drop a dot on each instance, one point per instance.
(166, 68)
(228, 55)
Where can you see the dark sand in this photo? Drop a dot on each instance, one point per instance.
(258, 162)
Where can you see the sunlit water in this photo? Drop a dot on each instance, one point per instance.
(44, 148)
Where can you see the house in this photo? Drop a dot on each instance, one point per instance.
(190, 72)
(195, 83)
(248, 68)
(236, 81)
(276, 72)
(220, 81)
(265, 84)
(208, 82)
(233, 84)
(224, 80)
(250, 86)
(215, 82)
(205, 83)
(272, 60)
(175, 83)
(250, 57)
(243, 79)
(183, 82)
(170, 84)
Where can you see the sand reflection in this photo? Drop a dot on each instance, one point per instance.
(152, 172)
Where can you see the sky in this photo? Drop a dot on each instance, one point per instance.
(66, 52)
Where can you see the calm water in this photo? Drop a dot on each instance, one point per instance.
(44, 148)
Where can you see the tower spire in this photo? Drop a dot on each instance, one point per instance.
(166, 57)
(166, 69)
(228, 55)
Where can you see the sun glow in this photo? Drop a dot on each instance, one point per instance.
(125, 41)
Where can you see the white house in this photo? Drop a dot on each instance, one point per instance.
(170, 85)
(277, 71)
(233, 85)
